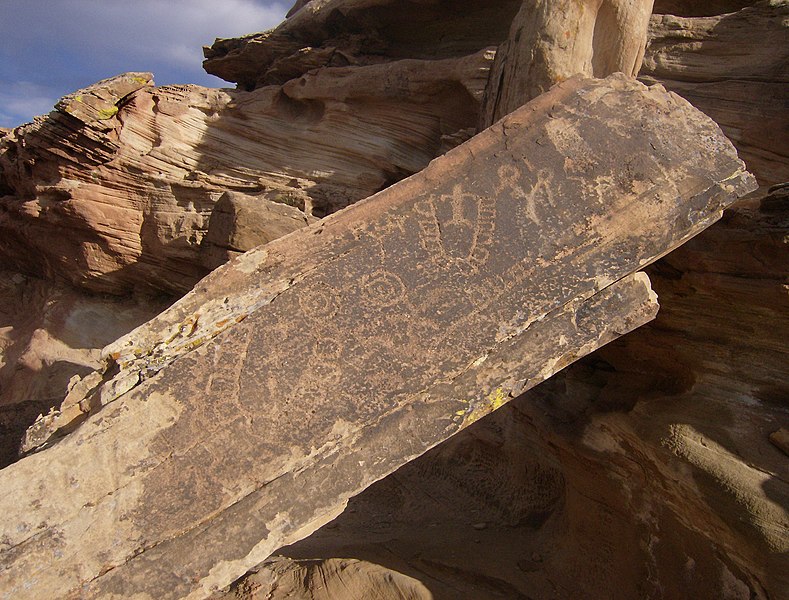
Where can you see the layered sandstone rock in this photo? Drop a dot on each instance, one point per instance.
(735, 68)
(135, 185)
(496, 266)
(133, 172)
(240, 223)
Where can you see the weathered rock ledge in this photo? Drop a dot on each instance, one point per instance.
(494, 293)
(655, 467)
(133, 172)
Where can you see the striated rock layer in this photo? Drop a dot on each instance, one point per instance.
(463, 265)
(728, 58)
(347, 97)
(128, 174)
(735, 68)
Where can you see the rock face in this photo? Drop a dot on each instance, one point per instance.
(655, 467)
(547, 42)
(692, 8)
(550, 41)
(349, 579)
(735, 68)
(134, 182)
(357, 95)
(463, 265)
(649, 468)
(50, 335)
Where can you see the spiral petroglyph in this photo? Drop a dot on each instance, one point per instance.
(382, 289)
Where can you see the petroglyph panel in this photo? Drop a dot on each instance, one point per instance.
(369, 338)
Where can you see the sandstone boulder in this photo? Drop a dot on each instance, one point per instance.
(550, 41)
(496, 266)
(240, 222)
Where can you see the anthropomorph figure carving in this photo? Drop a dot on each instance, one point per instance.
(551, 40)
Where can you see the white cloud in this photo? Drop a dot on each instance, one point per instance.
(20, 100)
(155, 27)
(58, 46)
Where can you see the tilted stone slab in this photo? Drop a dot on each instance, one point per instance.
(350, 347)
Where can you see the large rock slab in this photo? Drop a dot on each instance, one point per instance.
(366, 339)
(652, 467)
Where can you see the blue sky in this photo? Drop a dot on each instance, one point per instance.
(49, 48)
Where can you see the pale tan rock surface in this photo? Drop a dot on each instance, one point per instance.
(331, 579)
(528, 292)
(550, 41)
(735, 68)
(50, 334)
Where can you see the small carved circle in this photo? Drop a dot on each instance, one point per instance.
(383, 288)
(319, 301)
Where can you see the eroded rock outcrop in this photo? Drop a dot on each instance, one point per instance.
(331, 33)
(50, 335)
(136, 187)
(734, 67)
(550, 41)
(494, 293)
(132, 172)
(330, 579)
(654, 467)
(728, 57)
(240, 223)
